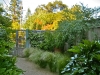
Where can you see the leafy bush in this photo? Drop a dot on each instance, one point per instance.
(35, 55)
(26, 52)
(48, 42)
(35, 38)
(76, 29)
(7, 65)
(86, 60)
(61, 61)
(42, 40)
(42, 63)
(59, 40)
(49, 58)
(7, 62)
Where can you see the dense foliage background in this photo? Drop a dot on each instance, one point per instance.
(63, 27)
(7, 61)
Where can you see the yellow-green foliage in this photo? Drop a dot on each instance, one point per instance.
(15, 26)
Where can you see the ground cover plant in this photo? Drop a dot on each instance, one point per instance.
(54, 61)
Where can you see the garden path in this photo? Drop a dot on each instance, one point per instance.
(31, 68)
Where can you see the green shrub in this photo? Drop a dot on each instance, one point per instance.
(42, 63)
(48, 57)
(35, 38)
(48, 40)
(7, 66)
(86, 60)
(33, 50)
(7, 62)
(61, 63)
(26, 52)
(48, 43)
(35, 56)
(55, 61)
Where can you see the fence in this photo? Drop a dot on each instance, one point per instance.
(22, 41)
(94, 34)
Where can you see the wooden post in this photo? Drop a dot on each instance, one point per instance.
(66, 46)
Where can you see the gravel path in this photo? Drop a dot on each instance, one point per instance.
(31, 68)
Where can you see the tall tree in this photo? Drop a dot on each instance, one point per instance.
(52, 7)
(1, 9)
(4, 20)
(79, 20)
(45, 18)
(43, 21)
(16, 11)
(28, 13)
